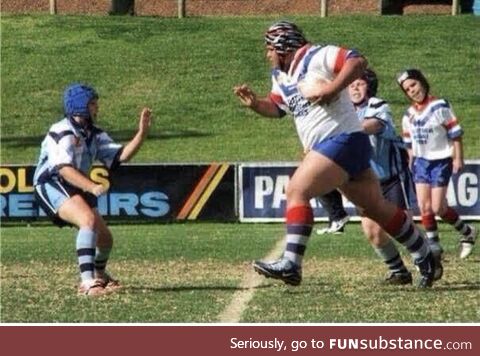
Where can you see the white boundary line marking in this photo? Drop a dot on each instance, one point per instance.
(233, 311)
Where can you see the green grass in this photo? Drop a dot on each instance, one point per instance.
(185, 70)
(190, 272)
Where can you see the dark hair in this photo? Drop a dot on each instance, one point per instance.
(413, 73)
(372, 82)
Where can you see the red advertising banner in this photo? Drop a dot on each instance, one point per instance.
(240, 340)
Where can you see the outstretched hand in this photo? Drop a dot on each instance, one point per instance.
(145, 121)
(246, 95)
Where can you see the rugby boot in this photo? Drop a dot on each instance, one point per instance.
(467, 242)
(282, 269)
(426, 266)
(109, 283)
(92, 288)
(398, 278)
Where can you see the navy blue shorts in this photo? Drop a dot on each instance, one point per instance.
(397, 192)
(52, 194)
(351, 151)
(436, 173)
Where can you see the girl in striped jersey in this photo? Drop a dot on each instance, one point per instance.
(64, 190)
(434, 138)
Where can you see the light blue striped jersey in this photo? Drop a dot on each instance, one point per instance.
(66, 144)
(386, 159)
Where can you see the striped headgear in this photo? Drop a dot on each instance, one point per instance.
(285, 37)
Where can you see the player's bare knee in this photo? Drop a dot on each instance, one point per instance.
(87, 220)
(296, 193)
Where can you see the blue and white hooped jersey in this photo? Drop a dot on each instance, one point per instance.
(429, 131)
(386, 160)
(314, 122)
(66, 144)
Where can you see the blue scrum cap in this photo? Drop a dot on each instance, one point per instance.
(76, 98)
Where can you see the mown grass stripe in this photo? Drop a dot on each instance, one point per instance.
(233, 312)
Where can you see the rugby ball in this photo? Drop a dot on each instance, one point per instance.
(309, 85)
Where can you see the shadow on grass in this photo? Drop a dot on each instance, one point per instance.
(189, 288)
(447, 287)
(119, 135)
(458, 286)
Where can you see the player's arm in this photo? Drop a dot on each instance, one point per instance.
(372, 125)
(454, 132)
(351, 70)
(61, 155)
(410, 158)
(78, 179)
(407, 138)
(264, 106)
(131, 148)
(345, 65)
(458, 162)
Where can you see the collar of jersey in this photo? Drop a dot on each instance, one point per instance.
(298, 57)
(79, 129)
(419, 107)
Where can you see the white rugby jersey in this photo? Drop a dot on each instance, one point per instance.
(66, 144)
(315, 122)
(429, 132)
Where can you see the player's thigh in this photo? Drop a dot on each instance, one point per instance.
(104, 235)
(364, 191)
(316, 175)
(76, 211)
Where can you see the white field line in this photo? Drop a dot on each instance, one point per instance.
(233, 312)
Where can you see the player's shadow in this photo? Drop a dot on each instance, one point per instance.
(126, 135)
(119, 135)
(167, 289)
(457, 286)
(447, 287)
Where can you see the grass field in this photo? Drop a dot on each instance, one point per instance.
(192, 272)
(185, 70)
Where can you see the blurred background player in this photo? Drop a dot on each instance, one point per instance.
(63, 187)
(389, 161)
(434, 138)
(337, 216)
(309, 82)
